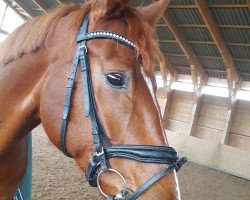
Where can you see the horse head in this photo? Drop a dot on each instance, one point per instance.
(121, 133)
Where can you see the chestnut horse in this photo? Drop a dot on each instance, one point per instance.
(34, 64)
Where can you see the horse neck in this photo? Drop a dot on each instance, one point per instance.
(21, 82)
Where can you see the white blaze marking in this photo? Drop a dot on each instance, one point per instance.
(177, 185)
(151, 90)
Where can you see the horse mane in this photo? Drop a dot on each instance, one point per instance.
(31, 36)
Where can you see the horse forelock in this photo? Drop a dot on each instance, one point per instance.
(139, 31)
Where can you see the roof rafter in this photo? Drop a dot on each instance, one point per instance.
(233, 74)
(248, 4)
(195, 64)
(4, 32)
(60, 1)
(237, 5)
(42, 4)
(24, 15)
(28, 10)
(166, 67)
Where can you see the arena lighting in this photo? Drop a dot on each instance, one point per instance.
(215, 87)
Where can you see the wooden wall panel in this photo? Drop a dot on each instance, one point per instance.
(180, 106)
(180, 116)
(239, 141)
(180, 111)
(178, 126)
(211, 120)
(214, 100)
(208, 134)
(210, 123)
(184, 96)
(209, 110)
(240, 130)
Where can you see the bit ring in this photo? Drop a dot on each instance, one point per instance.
(124, 189)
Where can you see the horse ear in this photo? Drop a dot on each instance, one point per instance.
(153, 12)
(101, 8)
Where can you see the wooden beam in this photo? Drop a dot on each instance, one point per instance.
(194, 115)
(197, 87)
(248, 4)
(169, 96)
(25, 16)
(234, 26)
(28, 10)
(43, 5)
(232, 73)
(185, 46)
(232, 102)
(3, 16)
(165, 67)
(4, 32)
(60, 2)
(211, 57)
(166, 113)
(210, 5)
(208, 42)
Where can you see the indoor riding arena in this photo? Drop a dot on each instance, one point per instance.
(203, 82)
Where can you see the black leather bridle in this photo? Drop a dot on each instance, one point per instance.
(104, 150)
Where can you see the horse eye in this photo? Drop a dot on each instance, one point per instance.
(116, 79)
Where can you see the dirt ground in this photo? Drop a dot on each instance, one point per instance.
(57, 177)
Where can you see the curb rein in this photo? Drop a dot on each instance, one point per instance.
(104, 150)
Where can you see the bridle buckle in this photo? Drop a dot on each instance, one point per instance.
(98, 154)
(84, 47)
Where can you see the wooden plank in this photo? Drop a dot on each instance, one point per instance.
(182, 95)
(179, 116)
(243, 106)
(239, 141)
(207, 134)
(242, 129)
(248, 4)
(214, 100)
(242, 118)
(211, 111)
(178, 106)
(211, 123)
(178, 126)
(217, 156)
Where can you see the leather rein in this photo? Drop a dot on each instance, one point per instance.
(104, 150)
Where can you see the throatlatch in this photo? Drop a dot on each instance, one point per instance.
(104, 150)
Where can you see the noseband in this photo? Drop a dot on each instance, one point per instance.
(104, 150)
